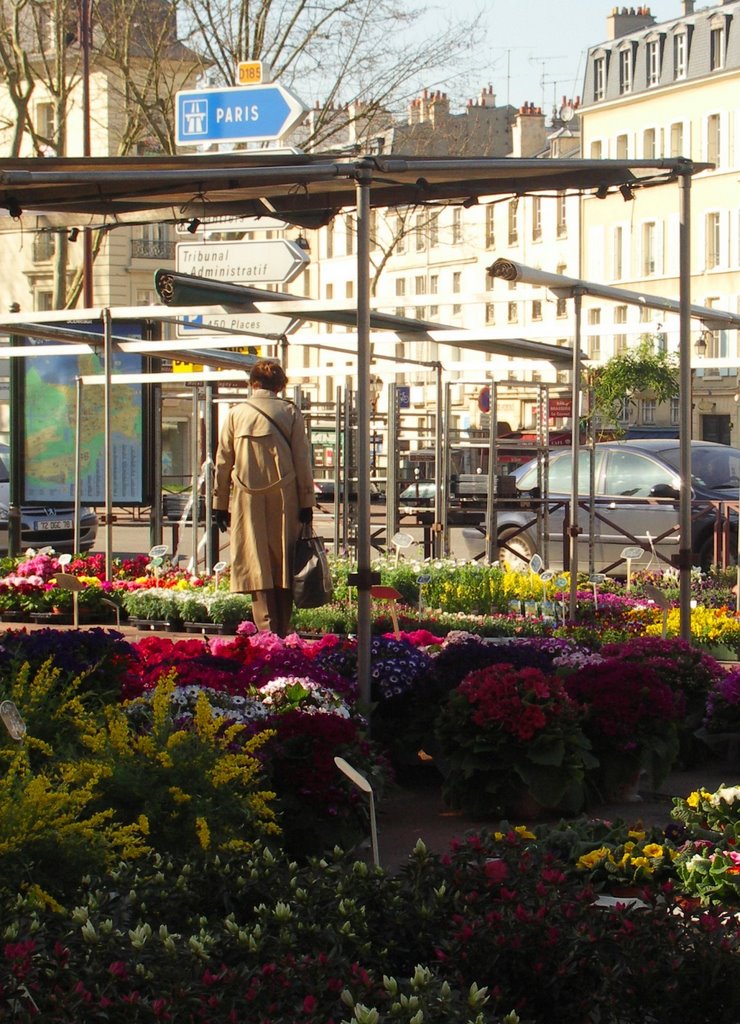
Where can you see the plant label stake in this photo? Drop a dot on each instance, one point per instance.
(12, 720)
(362, 784)
(67, 581)
(628, 554)
(401, 541)
(218, 568)
(391, 595)
(595, 578)
(157, 554)
(561, 583)
(422, 581)
(660, 601)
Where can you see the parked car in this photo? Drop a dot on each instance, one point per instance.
(467, 490)
(43, 526)
(636, 494)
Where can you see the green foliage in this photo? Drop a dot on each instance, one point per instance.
(641, 369)
(502, 921)
(230, 609)
(153, 603)
(86, 787)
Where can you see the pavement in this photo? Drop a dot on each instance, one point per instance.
(415, 809)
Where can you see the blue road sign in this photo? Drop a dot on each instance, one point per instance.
(241, 114)
(403, 391)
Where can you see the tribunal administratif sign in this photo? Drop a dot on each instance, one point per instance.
(273, 261)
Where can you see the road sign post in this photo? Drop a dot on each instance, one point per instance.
(260, 113)
(273, 261)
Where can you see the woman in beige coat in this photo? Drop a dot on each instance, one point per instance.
(263, 470)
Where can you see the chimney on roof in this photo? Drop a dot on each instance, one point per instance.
(687, 7)
(623, 21)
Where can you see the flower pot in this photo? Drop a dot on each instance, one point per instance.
(162, 625)
(52, 618)
(627, 792)
(523, 807)
(204, 627)
(14, 615)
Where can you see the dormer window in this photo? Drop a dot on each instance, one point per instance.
(625, 71)
(680, 54)
(717, 47)
(652, 57)
(599, 77)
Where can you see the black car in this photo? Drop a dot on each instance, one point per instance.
(636, 501)
(325, 491)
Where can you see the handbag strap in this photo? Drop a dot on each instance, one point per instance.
(267, 416)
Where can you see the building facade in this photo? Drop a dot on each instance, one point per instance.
(670, 89)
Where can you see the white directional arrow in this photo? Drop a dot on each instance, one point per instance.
(274, 261)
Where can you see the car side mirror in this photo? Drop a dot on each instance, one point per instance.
(664, 491)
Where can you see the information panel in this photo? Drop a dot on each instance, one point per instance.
(49, 407)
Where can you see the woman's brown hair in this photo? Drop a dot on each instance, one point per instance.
(265, 374)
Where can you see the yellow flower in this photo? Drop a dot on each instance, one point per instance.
(524, 832)
(652, 850)
(591, 860)
(203, 833)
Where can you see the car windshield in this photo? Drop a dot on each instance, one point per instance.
(716, 467)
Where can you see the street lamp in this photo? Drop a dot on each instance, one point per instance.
(701, 348)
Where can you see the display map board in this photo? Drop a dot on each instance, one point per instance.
(49, 422)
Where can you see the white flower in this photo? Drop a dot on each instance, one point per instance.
(728, 794)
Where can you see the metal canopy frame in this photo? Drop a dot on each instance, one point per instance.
(308, 191)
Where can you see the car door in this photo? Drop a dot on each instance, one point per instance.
(559, 484)
(651, 521)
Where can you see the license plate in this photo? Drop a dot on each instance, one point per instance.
(53, 524)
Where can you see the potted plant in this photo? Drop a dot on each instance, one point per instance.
(151, 607)
(512, 743)
(230, 609)
(631, 720)
(720, 728)
(708, 864)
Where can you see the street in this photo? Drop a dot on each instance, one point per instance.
(133, 538)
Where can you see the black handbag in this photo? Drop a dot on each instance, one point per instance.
(312, 585)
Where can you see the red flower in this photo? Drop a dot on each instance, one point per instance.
(496, 870)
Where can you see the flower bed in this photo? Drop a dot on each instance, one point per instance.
(197, 778)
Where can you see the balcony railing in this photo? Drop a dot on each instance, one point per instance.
(152, 249)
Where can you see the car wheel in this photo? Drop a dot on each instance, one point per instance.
(518, 551)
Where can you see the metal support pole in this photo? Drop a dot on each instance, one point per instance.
(195, 473)
(337, 450)
(85, 47)
(391, 484)
(17, 415)
(575, 453)
(107, 404)
(155, 525)
(441, 538)
(78, 464)
(491, 519)
(684, 509)
(208, 480)
(363, 578)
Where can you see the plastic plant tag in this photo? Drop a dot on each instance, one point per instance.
(12, 720)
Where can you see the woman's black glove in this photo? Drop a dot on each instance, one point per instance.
(306, 515)
(222, 519)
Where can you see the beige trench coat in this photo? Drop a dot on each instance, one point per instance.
(267, 480)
